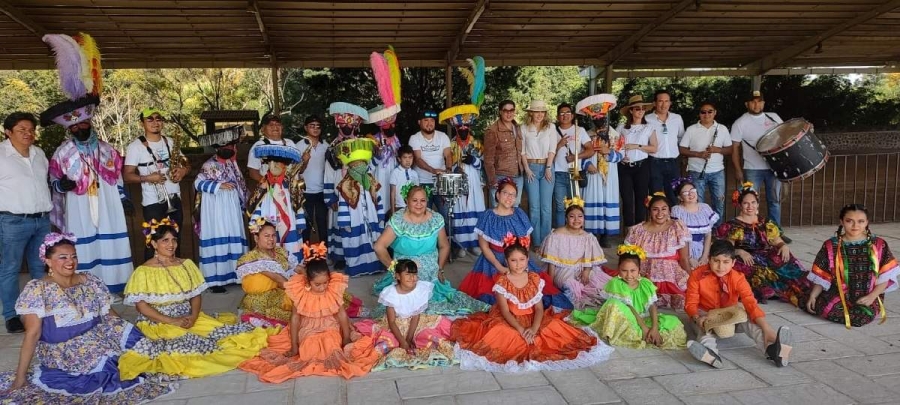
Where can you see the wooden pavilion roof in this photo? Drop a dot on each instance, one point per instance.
(749, 36)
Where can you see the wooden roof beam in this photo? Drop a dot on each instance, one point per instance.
(762, 65)
(18, 16)
(453, 53)
(627, 45)
(253, 7)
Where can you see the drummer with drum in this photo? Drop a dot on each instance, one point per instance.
(748, 164)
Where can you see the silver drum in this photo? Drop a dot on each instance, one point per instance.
(451, 185)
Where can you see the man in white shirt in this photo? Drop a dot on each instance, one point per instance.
(706, 144)
(148, 162)
(24, 209)
(272, 131)
(669, 129)
(313, 150)
(565, 156)
(748, 164)
(432, 151)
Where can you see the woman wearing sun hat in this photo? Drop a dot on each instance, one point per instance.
(540, 149)
(634, 169)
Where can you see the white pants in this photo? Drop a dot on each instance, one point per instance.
(752, 330)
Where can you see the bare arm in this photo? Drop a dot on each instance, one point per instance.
(653, 145)
(29, 344)
(381, 246)
(278, 278)
(255, 175)
(443, 248)
(707, 242)
(148, 311)
(538, 317)
(295, 334)
(421, 163)
(684, 258)
(344, 321)
(395, 330)
(448, 159)
(736, 162)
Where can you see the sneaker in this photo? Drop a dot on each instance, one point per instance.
(476, 251)
(460, 253)
(786, 239)
(218, 290)
(14, 325)
(780, 351)
(604, 241)
(704, 354)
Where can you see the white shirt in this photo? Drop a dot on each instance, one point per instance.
(637, 134)
(668, 134)
(750, 128)
(538, 144)
(314, 175)
(254, 162)
(400, 177)
(432, 153)
(559, 162)
(697, 138)
(23, 180)
(137, 155)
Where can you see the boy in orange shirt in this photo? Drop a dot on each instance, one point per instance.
(715, 285)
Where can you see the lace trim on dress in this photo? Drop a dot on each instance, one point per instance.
(407, 229)
(598, 354)
(815, 279)
(150, 298)
(515, 300)
(260, 266)
(410, 304)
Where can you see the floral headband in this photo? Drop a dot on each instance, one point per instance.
(150, 227)
(574, 201)
(634, 250)
(504, 181)
(650, 197)
(404, 191)
(257, 222)
(510, 239)
(52, 239)
(316, 251)
(681, 180)
(747, 186)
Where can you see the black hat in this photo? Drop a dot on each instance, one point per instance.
(429, 113)
(755, 95)
(311, 119)
(266, 119)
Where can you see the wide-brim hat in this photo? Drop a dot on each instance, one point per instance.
(459, 115)
(340, 107)
(352, 150)
(592, 105)
(722, 320)
(222, 137)
(277, 151)
(537, 106)
(381, 114)
(69, 113)
(634, 101)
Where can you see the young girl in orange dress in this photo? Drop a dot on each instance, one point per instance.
(320, 340)
(518, 335)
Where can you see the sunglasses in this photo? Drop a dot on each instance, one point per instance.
(156, 119)
(707, 111)
(637, 108)
(508, 110)
(566, 113)
(314, 125)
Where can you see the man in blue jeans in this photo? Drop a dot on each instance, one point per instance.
(669, 130)
(565, 156)
(24, 210)
(706, 144)
(748, 164)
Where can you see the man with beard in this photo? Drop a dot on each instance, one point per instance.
(223, 195)
(432, 151)
(89, 199)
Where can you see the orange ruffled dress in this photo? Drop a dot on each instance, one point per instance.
(488, 342)
(320, 351)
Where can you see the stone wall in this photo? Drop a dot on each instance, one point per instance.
(868, 141)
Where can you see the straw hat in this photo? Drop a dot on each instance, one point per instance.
(537, 106)
(722, 320)
(634, 101)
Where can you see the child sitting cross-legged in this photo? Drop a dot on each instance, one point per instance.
(712, 296)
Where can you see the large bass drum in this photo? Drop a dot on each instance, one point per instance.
(792, 150)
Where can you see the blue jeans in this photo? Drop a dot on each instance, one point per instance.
(540, 200)
(773, 191)
(662, 172)
(20, 239)
(519, 180)
(715, 183)
(561, 189)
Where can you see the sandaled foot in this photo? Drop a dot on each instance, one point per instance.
(704, 354)
(780, 351)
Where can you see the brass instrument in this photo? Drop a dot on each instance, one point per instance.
(574, 172)
(177, 160)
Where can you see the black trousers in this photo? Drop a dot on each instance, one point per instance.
(158, 212)
(633, 185)
(316, 217)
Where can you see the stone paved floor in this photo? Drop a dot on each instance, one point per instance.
(830, 365)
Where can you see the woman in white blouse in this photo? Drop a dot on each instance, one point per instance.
(539, 150)
(634, 169)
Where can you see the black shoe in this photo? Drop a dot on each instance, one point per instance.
(760, 298)
(218, 290)
(780, 351)
(340, 264)
(786, 239)
(604, 241)
(14, 325)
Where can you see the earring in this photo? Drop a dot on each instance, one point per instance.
(308, 288)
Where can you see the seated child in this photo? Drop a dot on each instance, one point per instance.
(518, 334)
(320, 340)
(402, 175)
(618, 320)
(422, 338)
(715, 285)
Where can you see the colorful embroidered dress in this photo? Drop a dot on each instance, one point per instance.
(93, 210)
(213, 345)
(479, 283)
(662, 266)
(615, 322)
(488, 342)
(601, 196)
(384, 160)
(568, 255)
(264, 303)
(320, 350)
(221, 229)
(432, 331)
(866, 264)
(699, 224)
(769, 275)
(468, 207)
(277, 207)
(418, 242)
(78, 349)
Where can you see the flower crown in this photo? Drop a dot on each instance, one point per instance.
(574, 201)
(634, 250)
(404, 191)
(52, 239)
(256, 223)
(316, 251)
(150, 227)
(510, 239)
(681, 180)
(650, 197)
(504, 181)
(747, 186)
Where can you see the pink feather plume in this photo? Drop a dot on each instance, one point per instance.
(383, 79)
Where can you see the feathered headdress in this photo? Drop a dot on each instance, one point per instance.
(80, 78)
(466, 114)
(386, 69)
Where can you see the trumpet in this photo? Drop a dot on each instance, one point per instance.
(574, 173)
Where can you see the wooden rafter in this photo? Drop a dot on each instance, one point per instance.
(627, 45)
(253, 7)
(480, 7)
(18, 16)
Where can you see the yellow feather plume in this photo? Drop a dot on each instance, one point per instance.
(92, 55)
(394, 68)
